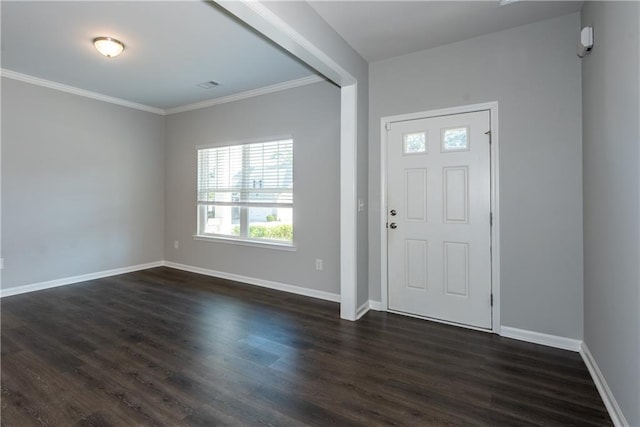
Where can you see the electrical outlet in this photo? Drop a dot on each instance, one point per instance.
(176, 244)
(319, 264)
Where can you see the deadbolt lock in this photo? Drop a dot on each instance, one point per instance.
(393, 212)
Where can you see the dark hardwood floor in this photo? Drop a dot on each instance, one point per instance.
(166, 347)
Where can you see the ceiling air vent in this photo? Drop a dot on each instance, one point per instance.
(208, 85)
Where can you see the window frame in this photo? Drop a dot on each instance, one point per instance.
(245, 240)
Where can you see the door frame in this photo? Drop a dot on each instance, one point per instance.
(492, 107)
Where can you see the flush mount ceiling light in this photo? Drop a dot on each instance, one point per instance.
(208, 85)
(108, 46)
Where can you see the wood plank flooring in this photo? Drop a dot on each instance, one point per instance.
(166, 347)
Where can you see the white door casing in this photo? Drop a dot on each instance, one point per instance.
(439, 253)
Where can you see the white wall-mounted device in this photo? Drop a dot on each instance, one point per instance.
(586, 41)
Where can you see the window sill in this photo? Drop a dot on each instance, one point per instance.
(251, 243)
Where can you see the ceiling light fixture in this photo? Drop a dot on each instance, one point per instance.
(108, 46)
(208, 85)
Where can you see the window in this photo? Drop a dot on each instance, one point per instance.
(455, 139)
(245, 192)
(415, 143)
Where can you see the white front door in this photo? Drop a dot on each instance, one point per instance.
(439, 231)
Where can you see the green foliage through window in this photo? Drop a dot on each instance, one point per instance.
(275, 232)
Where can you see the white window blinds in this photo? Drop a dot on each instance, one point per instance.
(247, 175)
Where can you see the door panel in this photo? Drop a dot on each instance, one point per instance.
(455, 194)
(416, 191)
(416, 263)
(438, 182)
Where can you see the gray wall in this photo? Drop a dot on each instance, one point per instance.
(312, 114)
(534, 74)
(82, 187)
(611, 154)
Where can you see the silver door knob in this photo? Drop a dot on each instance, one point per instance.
(393, 225)
(393, 212)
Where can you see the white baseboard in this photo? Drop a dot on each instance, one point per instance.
(366, 306)
(257, 282)
(540, 338)
(375, 305)
(574, 345)
(362, 310)
(603, 388)
(76, 279)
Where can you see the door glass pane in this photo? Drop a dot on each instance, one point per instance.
(455, 139)
(415, 143)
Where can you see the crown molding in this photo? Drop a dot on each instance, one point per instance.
(118, 101)
(77, 91)
(248, 94)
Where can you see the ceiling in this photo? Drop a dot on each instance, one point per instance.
(171, 47)
(383, 29)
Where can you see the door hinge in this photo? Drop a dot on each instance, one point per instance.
(491, 300)
(387, 126)
(491, 219)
